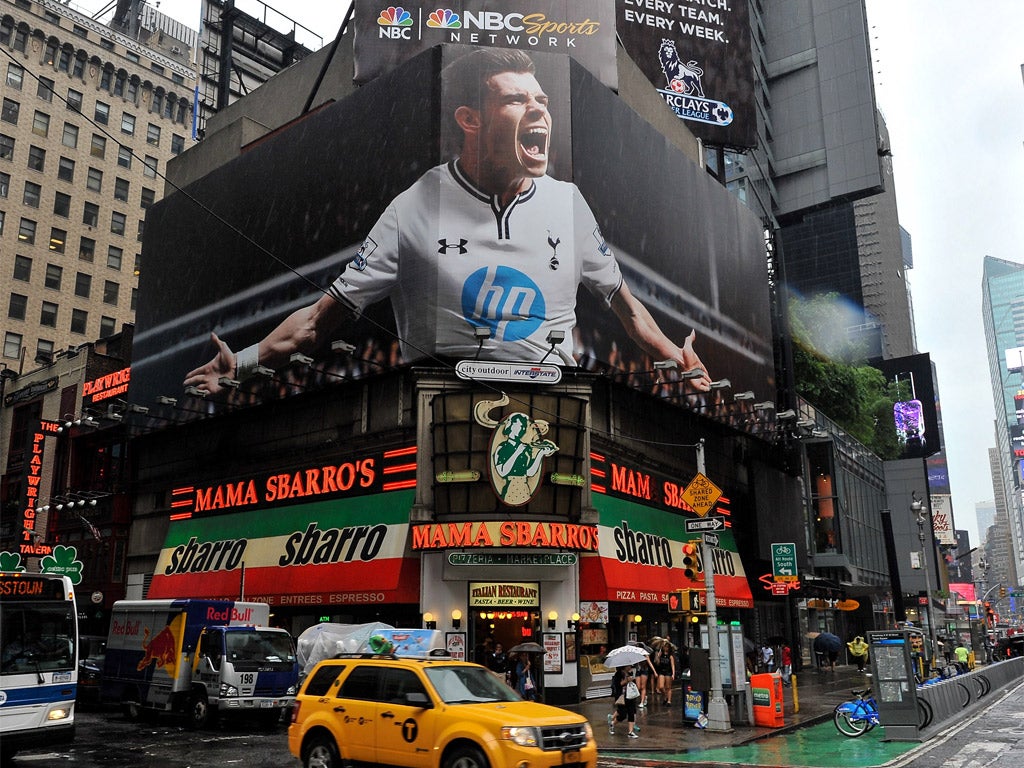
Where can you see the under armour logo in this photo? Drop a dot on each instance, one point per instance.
(445, 245)
(554, 251)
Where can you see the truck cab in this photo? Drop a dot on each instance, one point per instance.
(243, 670)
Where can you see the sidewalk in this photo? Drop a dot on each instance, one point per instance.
(663, 729)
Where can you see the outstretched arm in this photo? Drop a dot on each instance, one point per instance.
(643, 329)
(302, 331)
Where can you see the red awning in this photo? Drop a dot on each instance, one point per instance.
(604, 578)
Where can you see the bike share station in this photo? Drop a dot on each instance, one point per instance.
(892, 665)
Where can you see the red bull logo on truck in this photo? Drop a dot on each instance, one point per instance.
(162, 648)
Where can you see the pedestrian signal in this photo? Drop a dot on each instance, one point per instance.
(693, 569)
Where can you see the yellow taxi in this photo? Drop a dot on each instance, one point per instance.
(428, 713)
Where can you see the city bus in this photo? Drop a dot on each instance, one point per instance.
(38, 661)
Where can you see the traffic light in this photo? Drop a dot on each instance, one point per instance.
(692, 566)
(990, 616)
(679, 601)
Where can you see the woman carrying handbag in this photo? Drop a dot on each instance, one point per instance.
(625, 695)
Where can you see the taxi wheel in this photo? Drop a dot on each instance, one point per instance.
(320, 752)
(466, 757)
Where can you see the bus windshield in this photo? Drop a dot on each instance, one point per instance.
(37, 637)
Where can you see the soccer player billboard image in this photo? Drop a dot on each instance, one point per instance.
(417, 229)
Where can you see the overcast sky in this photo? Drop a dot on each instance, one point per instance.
(948, 78)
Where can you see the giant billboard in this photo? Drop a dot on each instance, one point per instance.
(537, 218)
(698, 55)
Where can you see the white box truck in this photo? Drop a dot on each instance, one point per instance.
(202, 658)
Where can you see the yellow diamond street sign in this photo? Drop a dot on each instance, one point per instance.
(701, 494)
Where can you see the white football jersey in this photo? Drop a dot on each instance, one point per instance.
(452, 260)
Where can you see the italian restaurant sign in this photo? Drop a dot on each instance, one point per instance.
(503, 594)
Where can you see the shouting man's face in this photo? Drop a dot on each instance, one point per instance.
(515, 128)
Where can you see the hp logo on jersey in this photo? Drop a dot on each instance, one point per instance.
(504, 300)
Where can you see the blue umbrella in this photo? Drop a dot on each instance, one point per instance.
(826, 642)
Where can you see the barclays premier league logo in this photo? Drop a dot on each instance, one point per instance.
(685, 91)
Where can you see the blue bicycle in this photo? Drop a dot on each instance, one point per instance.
(858, 716)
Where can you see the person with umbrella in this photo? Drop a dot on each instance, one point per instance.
(827, 645)
(625, 695)
(644, 671)
(526, 686)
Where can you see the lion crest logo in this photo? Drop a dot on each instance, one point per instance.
(682, 78)
(517, 452)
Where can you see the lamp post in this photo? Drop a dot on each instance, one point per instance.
(921, 513)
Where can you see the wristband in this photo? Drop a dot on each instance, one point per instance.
(246, 362)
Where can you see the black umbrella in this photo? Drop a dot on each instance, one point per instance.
(826, 642)
(526, 648)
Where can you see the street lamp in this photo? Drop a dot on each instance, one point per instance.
(921, 513)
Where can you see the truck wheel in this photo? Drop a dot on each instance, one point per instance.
(320, 752)
(466, 757)
(198, 712)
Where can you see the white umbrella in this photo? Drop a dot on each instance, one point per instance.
(625, 656)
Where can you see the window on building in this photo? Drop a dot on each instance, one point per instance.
(157, 68)
(102, 113)
(107, 325)
(134, 300)
(44, 89)
(94, 179)
(79, 321)
(110, 292)
(74, 100)
(61, 204)
(12, 345)
(6, 147)
(3, 218)
(86, 249)
(177, 144)
(132, 93)
(141, 230)
(15, 76)
(41, 124)
(64, 61)
(114, 256)
(66, 169)
(118, 89)
(17, 306)
(48, 315)
(108, 44)
(106, 79)
(36, 158)
(32, 194)
(22, 268)
(27, 231)
(83, 285)
(117, 222)
(133, 57)
(44, 349)
(99, 146)
(124, 156)
(54, 275)
(148, 197)
(121, 189)
(91, 214)
(138, 264)
(158, 102)
(80, 31)
(149, 167)
(153, 134)
(78, 66)
(58, 240)
(177, 79)
(50, 55)
(70, 136)
(128, 124)
(5, 184)
(20, 40)
(10, 112)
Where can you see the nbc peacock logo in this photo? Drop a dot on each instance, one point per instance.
(395, 16)
(443, 18)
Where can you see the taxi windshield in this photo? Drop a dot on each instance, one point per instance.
(468, 685)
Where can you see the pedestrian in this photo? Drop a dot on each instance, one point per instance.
(767, 658)
(526, 686)
(498, 660)
(644, 671)
(859, 651)
(625, 695)
(963, 656)
(665, 664)
(786, 657)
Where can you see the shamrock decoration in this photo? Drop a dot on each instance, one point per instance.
(63, 561)
(11, 562)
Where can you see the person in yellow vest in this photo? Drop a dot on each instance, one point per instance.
(962, 656)
(859, 651)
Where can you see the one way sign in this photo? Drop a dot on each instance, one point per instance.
(709, 523)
